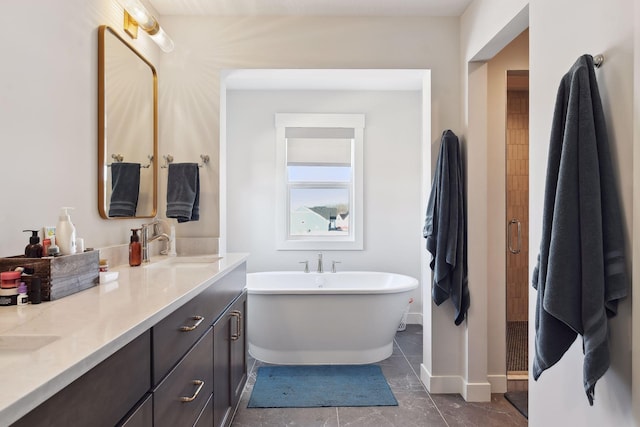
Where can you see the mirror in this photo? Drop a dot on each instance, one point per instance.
(127, 130)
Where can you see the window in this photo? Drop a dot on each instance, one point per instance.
(320, 181)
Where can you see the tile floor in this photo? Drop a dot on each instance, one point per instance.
(416, 406)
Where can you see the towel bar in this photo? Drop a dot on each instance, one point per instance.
(169, 159)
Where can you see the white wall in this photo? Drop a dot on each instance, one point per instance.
(514, 56)
(48, 117)
(559, 33)
(392, 166)
(594, 27)
(190, 76)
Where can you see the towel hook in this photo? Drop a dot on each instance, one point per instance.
(598, 60)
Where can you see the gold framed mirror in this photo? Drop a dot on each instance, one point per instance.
(127, 130)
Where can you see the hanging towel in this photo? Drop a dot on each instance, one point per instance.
(125, 188)
(183, 192)
(445, 229)
(581, 271)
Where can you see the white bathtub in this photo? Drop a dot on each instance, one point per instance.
(325, 318)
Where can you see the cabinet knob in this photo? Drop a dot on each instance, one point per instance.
(198, 383)
(198, 320)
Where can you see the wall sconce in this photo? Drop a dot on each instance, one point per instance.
(136, 15)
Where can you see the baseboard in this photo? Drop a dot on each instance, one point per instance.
(414, 318)
(453, 384)
(498, 383)
(445, 384)
(477, 392)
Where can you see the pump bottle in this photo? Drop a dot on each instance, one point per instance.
(66, 233)
(34, 248)
(135, 249)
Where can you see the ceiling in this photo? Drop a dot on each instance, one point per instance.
(311, 7)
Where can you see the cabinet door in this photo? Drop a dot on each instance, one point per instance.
(238, 355)
(221, 370)
(229, 360)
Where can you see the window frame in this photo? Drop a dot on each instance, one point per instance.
(354, 240)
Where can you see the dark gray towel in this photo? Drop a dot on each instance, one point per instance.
(581, 272)
(445, 229)
(183, 192)
(125, 188)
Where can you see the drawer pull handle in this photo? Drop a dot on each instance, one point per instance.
(238, 333)
(200, 384)
(198, 320)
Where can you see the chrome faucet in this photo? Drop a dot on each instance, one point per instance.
(320, 268)
(156, 235)
(333, 266)
(306, 266)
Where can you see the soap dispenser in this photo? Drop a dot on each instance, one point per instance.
(66, 233)
(34, 248)
(135, 249)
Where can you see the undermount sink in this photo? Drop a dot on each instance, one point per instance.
(25, 342)
(195, 261)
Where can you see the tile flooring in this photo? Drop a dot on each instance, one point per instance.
(416, 406)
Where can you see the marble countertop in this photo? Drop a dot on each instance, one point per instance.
(45, 347)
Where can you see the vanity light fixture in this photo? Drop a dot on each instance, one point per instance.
(136, 15)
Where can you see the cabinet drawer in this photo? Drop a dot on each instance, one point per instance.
(206, 417)
(102, 396)
(191, 379)
(141, 415)
(176, 333)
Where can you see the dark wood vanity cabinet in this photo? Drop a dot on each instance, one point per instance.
(221, 308)
(229, 361)
(102, 396)
(187, 370)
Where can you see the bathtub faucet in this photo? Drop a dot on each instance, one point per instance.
(320, 268)
(306, 266)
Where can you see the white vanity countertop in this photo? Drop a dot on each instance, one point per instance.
(45, 347)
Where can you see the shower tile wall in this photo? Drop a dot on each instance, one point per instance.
(518, 202)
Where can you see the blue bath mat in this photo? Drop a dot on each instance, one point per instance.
(312, 386)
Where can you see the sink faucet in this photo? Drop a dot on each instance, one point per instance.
(320, 268)
(155, 235)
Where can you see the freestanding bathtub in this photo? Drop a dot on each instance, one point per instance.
(325, 318)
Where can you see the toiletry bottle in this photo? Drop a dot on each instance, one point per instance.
(35, 290)
(23, 299)
(34, 248)
(53, 250)
(66, 233)
(45, 246)
(135, 249)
